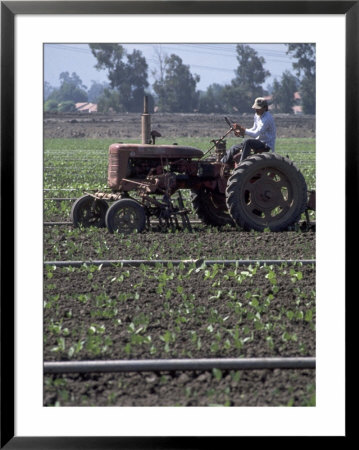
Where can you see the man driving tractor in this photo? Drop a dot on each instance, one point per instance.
(262, 134)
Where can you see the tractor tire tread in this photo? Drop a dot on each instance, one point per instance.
(235, 185)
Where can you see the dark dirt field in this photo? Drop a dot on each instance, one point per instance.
(122, 126)
(197, 324)
(193, 388)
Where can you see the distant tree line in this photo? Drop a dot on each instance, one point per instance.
(70, 92)
(175, 87)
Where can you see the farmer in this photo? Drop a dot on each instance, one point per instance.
(262, 134)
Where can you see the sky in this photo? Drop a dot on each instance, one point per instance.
(214, 63)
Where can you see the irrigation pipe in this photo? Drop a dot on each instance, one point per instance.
(54, 152)
(176, 262)
(87, 168)
(195, 222)
(179, 364)
(49, 224)
(60, 199)
(61, 189)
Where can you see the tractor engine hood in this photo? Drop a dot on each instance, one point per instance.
(126, 160)
(156, 151)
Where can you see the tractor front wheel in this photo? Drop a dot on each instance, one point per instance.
(266, 191)
(88, 211)
(126, 216)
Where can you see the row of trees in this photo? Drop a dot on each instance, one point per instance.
(71, 91)
(175, 87)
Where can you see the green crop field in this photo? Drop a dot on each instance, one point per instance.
(79, 165)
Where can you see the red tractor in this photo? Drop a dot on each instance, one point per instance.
(263, 191)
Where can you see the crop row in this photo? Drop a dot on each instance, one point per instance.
(67, 243)
(76, 145)
(167, 311)
(58, 152)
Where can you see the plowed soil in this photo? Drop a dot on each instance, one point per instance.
(128, 126)
(189, 334)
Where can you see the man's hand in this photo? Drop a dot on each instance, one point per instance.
(238, 129)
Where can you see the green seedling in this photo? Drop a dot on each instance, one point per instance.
(217, 373)
(168, 338)
(82, 298)
(75, 349)
(60, 345)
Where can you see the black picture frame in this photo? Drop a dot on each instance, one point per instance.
(9, 9)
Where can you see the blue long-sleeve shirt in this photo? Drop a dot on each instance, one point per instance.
(263, 129)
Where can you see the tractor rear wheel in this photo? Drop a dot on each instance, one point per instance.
(125, 216)
(88, 211)
(266, 191)
(211, 208)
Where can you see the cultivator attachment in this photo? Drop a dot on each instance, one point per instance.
(127, 215)
(307, 224)
(311, 200)
(168, 211)
(168, 214)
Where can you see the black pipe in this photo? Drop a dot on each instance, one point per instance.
(176, 262)
(179, 364)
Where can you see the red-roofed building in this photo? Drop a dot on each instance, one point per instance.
(86, 107)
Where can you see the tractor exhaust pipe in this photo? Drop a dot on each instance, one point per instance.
(146, 123)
